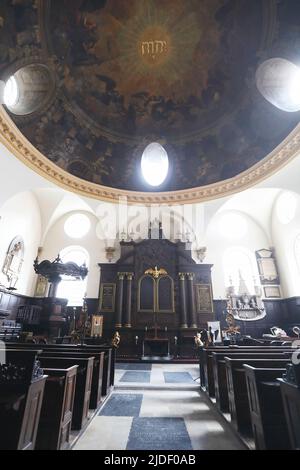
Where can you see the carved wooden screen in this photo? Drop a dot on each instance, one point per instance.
(165, 295)
(146, 294)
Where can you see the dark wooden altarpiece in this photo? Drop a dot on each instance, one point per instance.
(173, 306)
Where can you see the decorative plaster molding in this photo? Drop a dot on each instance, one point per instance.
(15, 142)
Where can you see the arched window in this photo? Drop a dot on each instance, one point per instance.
(297, 252)
(70, 288)
(239, 269)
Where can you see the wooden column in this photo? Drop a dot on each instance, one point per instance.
(129, 277)
(183, 306)
(120, 300)
(193, 320)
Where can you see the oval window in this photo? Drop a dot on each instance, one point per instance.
(278, 80)
(77, 226)
(155, 164)
(11, 92)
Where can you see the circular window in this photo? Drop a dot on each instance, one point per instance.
(77, 226)
(11, 92)
(155, 164)
(233, 226)
(286, 207)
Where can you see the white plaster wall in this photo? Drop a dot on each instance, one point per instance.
(217, 243)
(284, 235)
(24, 195)
(20, 215)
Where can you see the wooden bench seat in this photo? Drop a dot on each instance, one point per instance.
(237, 389)
(269, 425)
(57, 409)
(83, 384)
(108, 365)
(220, 377)
(206, 359)
(96, 390)
(21, 396)
(291, 402)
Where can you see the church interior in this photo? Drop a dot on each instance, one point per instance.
(150, 225)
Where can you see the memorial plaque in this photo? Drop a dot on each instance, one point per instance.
(204, 298)
(107, 297)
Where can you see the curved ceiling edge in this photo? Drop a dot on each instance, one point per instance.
(21, 148)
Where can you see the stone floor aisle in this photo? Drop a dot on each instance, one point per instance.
(158, 407)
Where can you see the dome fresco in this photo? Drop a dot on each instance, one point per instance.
(178, 72)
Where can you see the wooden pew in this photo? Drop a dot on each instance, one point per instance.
(57, 409)
(266, 408)
(237, 389)
(103, 368)
(291, 402)
(208, 361)
(109, 359)
(83, 384)
(96, 390)
(109, 362)
(220, 377)
(21, 396)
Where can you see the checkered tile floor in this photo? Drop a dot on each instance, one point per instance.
(159, 375)
(170, 418)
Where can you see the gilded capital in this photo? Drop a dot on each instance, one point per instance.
(190, 276)
(181, 276)
(129, 276)
(121, 276)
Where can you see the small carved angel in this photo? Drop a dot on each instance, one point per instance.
(116, 340)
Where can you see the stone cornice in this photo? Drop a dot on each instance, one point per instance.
(15, 142)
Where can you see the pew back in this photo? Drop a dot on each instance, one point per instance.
(83, 384)
(57, 410)
(266, 408)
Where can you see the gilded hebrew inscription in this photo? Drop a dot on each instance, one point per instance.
(153, 48)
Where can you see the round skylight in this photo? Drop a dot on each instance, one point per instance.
(77, 226)
(155, 164)
(278, 80)
(11, 92)
(233, 226)
(286, 207)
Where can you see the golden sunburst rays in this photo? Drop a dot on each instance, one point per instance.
(156, 49)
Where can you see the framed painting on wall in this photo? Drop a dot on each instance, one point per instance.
(215, 328)
(204, 299)
(41, 287)
(97, 325)
(272, 292)
(107, 298)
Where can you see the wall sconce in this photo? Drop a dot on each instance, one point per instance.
(175, 340)
(136, 340)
